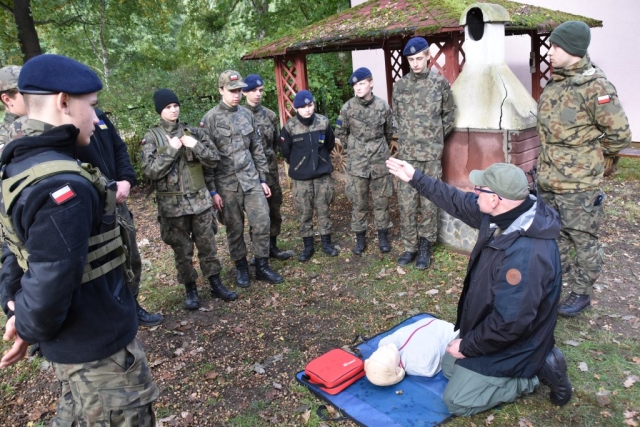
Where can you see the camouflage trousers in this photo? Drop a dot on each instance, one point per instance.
(135, 261)
(357, 191)
(181, 233)
(254, 203)
(314, 194)
(114, 391)
(275, 201)
(411, 203)
(580, 224)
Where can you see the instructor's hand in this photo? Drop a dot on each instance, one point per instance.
(18, 351)
(403, 170)
(453, 348)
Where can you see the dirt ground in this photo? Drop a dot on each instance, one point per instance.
(234, 363)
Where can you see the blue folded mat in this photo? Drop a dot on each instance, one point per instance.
(414, 401)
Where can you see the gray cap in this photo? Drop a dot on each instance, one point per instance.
(231, 80)
(504, 179)
(9, 77)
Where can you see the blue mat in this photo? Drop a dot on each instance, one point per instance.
(415, 401)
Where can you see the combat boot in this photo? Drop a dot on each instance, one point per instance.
(327, 246)
(218, 290)
(264, 271)
(423, 260)
(191, 301)
(383, 241)
(242, 273)
(308, 250)
(361, 243)
(147, 319)
(574, 304)
(275, 252)
(406, 258)
(554, 374)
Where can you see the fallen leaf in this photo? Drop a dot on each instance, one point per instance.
(489, 420)
(606, 414)
(211, 375)
(432, 292)
(523, 422)
(630, 414)
(631, 380)
(400, 271)
(572, 343)
(630, 422)
(603, 398)
(36, 413)
(583, 367)
(258, 368)
(306, 416)
(277, 386)
(204, 309)
(636, 360)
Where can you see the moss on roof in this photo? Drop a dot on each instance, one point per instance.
(377, 20)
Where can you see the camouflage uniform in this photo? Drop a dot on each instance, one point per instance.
(8, 82)
(9, 118)
(365, 129)
(238, 177)
(423, 109)
(580, 123)
(184, 206)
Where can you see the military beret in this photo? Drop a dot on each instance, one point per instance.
(253, 81)
(302, 98)
(358, 75)
(9, 77)
(573, 37)
(231, 80)
(414, 46)
(48, 74)
(164, 97)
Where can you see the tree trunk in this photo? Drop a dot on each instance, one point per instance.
(27, 34)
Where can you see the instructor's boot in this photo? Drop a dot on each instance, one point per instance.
(264, 271)
(383, 241)
(361, 243)
(242, 273)
(218, 290)
(406, 258)
(327, 246)
(275, 252)
(147, 319)
(574, 305)
(308, 250)
(423, 260)
(554, 374)
(191, 301)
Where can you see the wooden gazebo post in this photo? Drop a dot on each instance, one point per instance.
(541, 62)
(291, 77)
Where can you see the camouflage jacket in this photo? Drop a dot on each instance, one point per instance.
(242, 159)
(9, 118)
(182, 178)
(306, 146)
(365, 129)
(580, 121)
(423, 109)
(267, 123)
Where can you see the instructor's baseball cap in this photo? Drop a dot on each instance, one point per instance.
(231, 80)
(504, 179)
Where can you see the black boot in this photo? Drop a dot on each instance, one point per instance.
(554, 374)
(383, 241)
(406, 258)
(361, 243)
(147, 319)
(242, 273)
(264, 271)
(218, 290)
(191, 301)
(308, 250)
(423, 260)
(327, 246)
(275, 252)
(574, 305)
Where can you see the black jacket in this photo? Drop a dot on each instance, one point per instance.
(306, 146)
(73, 323)
(508, 308)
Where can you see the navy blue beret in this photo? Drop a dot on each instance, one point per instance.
(414, 46)
(47, 74)
(302, 98)
(252, 81)
(359, 74)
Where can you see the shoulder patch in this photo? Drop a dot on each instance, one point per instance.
(604, 99)
(102, 125)
(144, 141)
(201, 124)
(514, 276)
(63, 194)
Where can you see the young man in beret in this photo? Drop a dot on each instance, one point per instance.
(307, 140)
(582, 125)
(365, 128)
(508, 307)
(12, 99)
(62, 281)
(423, 109)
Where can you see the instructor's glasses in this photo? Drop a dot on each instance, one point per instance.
(482, 190)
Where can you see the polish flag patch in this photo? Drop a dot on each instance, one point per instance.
(233, 77)
(201, 124)
(63, 195)
(604, 99)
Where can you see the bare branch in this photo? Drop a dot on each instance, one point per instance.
(6, 7)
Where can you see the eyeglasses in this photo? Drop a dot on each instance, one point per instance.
(482, 190)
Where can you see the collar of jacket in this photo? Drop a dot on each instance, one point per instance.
(170, 127)
(572, 70)
(522, 223)
(225, 107)
(253, 108)
(61, 139)
(420, 76)
(10, 117)
(308, 121)
(365, 102)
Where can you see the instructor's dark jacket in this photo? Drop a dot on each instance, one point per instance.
(508, 308)
(306, 146)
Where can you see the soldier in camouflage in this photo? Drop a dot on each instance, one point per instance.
(581, 123)
(423, 109)
(267, 123)
(179, 160)
(306, 141)
(365, 128)
(12, 99)
(240, 179)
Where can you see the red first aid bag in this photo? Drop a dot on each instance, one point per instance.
(334, 371)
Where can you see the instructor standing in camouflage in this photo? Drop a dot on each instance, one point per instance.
(365, 128)
(178, 159)
(12, 99)
(581, 123)
(423, 109)
(267, 123)
(240, 179)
